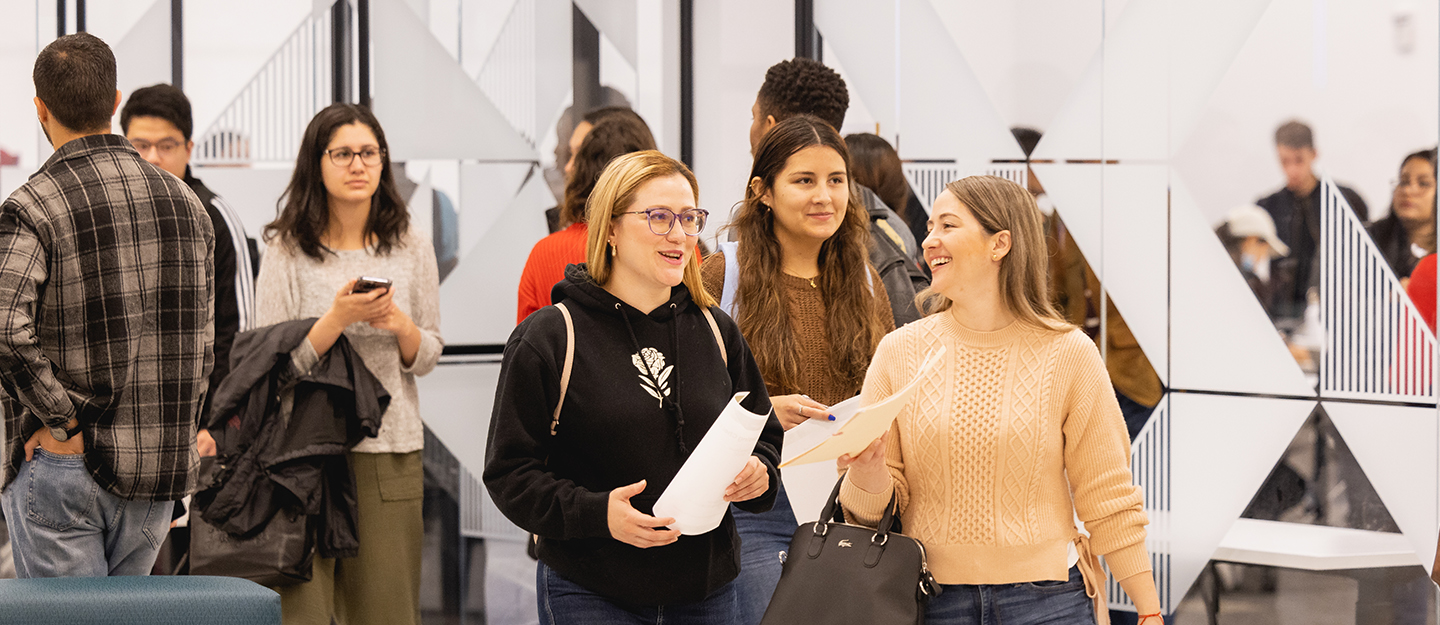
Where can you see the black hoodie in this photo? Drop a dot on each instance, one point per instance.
(614, 432)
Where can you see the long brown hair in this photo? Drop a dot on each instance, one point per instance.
(615, 193)
(999, 204)
(305, 206)
(616, 130)
(851, 320)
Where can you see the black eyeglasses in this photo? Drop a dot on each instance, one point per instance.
(343, 157)
(164, 146)
(662, 220)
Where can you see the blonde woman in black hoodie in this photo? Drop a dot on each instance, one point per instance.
(585, 480)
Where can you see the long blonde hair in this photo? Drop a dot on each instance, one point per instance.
(614, 193)
(999, 204)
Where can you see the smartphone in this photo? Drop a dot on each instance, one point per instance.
(367, 284)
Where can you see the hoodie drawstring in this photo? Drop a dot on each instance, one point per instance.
(671, 402)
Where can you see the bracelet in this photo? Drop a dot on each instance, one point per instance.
(1157, 615)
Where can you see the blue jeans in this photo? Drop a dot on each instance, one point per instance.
(1032, 603)
(62, 524)
(563, 602)
(762, 537)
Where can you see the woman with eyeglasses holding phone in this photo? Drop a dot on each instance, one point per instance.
(798, 281)
(581, 448)
(342, 219)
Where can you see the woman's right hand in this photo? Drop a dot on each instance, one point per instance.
(633, 527)
(351, 308)
(867, 468)
(792, 410)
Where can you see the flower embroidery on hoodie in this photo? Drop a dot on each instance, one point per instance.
(654, 375)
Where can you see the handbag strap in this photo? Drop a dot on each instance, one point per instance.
(569, 362)
(719, 340)
(832, 514)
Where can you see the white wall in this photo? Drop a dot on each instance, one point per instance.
(1341, 71)
(735, 42)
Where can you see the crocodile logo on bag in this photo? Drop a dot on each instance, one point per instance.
(846, 544)
(654, 375)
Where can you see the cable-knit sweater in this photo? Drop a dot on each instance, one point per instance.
(979, 458)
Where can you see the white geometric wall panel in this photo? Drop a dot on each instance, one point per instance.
(455, 400)
(928, 180)
(617, 19)
(478, 300)
(1018, 173)
(1222, 449)
(1396, 448)
(1148, 84)
(1150, 470)
(862, 34)
(508, 75)
(1223, 340)
(267, 118)
(1377, 346)
(899, 52)
(430, 108)
(1117, 214)
(251, 191)
(142, 57)
(486, 190)
(553, 60)
(526, 71)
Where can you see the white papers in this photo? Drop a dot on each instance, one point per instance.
(696, 497)
(812, 432)
(870, 423)
(809, 485)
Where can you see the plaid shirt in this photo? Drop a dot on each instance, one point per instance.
(106, 291)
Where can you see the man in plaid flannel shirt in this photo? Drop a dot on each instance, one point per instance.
(106, 331)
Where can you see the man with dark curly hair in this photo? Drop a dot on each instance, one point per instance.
(805, 86)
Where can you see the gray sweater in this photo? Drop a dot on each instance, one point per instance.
(294, 286)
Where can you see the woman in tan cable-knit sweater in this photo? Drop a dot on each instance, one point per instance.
(1010, 437)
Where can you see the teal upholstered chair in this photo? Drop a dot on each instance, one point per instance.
(158, 600)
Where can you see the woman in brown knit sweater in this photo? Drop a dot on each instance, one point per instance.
(1010, 438)
(798, 282)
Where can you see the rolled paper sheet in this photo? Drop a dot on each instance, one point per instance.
(696, 497)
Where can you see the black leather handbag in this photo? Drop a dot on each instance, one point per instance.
(280, 554)
(838, 573)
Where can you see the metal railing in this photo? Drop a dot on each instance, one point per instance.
(266, 120)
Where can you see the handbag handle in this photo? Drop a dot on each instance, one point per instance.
(834, 513)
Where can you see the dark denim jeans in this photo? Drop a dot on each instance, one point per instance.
(563, 602)
(762, 537)
(62, 524)
(1032, 603)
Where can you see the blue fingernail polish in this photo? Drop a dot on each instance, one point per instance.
(832, 417)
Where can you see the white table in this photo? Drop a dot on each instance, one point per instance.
(1368, 557)
(1313, 547)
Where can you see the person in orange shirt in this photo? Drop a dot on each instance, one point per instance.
(602, 135)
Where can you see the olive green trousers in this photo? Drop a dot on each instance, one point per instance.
(381, 585)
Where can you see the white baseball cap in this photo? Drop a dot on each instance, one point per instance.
(1250, 220)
